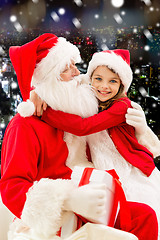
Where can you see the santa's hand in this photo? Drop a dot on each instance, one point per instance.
(39, 104)
(136, 118)
(88, 201)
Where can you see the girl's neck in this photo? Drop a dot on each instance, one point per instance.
(107, 104)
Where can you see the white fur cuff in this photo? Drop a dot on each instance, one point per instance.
(43, 209)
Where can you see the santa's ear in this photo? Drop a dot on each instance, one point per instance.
(26, 109)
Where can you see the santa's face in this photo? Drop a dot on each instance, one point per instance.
(70, 72)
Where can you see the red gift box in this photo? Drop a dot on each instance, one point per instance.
(115, 199)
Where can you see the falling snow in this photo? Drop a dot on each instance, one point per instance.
(55, 16)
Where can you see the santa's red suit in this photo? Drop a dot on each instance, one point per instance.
(34, 153)
(37, 159)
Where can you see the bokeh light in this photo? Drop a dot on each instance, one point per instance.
(117, 3)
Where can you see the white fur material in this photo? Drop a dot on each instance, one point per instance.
(55, 62)
(77, 151)
(26, 109)
(43, 209)
(19, 231)
(115, 62)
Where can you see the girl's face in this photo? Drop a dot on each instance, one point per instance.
(70, 72)
(105, 82)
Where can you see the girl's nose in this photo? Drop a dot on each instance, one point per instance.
(104, 85)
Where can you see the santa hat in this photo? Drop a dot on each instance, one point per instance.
(45, 56)
(118, 60)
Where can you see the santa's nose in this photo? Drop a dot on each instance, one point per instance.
(76, 72)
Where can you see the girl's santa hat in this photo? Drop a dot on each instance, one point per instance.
(41, 59)
(118, 60)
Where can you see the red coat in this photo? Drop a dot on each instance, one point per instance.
(31, 150)
(112, 119)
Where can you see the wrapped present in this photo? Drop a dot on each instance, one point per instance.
(82, 176)
(115, 199)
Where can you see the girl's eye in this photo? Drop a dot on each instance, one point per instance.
(113, 81)
(98, 78)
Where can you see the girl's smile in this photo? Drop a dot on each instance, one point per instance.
(104, 93)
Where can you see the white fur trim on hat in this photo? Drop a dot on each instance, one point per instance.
(55, 62)
(112, 61)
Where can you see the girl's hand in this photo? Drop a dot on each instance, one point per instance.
(135, 117)
(39, 104)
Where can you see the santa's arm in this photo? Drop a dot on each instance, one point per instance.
(145, 136)
(79, 126)
(38, 203)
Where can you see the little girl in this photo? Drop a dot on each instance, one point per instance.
(116, 146)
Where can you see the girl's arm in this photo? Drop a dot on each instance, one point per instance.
(39, 104)
(79, 126)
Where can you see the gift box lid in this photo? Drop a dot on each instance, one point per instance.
(97, 176)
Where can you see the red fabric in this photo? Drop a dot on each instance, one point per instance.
(112, 119)
(24, 59)
(31, 150)
(144, 222)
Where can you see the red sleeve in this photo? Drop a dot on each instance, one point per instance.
(79, 126)
(19, 166)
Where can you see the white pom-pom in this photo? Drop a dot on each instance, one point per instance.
(26, 109)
